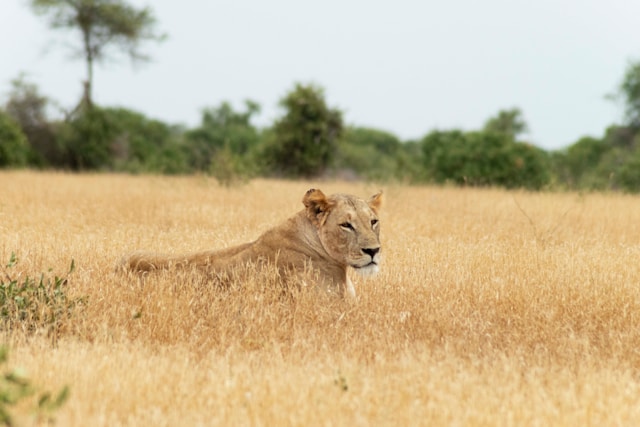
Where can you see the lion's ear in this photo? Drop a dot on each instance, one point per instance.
(317, 206)
(375, 201)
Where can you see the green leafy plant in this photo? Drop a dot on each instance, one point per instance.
(15, 388)
(31, 304)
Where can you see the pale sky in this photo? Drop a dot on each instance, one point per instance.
(404, 66)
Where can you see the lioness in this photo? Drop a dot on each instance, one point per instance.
(327, 236)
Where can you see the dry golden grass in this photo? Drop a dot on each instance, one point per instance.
(492, 308)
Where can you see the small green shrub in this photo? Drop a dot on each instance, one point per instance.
(15, 388)
(31, 304)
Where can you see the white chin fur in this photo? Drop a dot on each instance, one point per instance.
(369, 270)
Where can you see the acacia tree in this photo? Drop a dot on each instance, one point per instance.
(103, 24)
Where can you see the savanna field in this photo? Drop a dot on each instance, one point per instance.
(492, 308)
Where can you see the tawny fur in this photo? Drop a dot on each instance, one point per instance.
(329, 235)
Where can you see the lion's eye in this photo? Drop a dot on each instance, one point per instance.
(374, 222)
(347, 226)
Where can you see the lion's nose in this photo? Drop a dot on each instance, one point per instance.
(371, 251)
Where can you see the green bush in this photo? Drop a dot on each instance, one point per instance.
(87, 139)
(29, 110)
(123, 140)
(32, 304)
(484, 158)
(303, 142)
(29, 305)
(140, 144)
(578, 166)
(14, 148)
(223, 135)
(611, 163)
(628, 177)
(370, 153)
(530, 167)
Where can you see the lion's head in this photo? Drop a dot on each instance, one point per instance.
(348, 228)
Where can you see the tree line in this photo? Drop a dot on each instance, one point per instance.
(309, 139)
